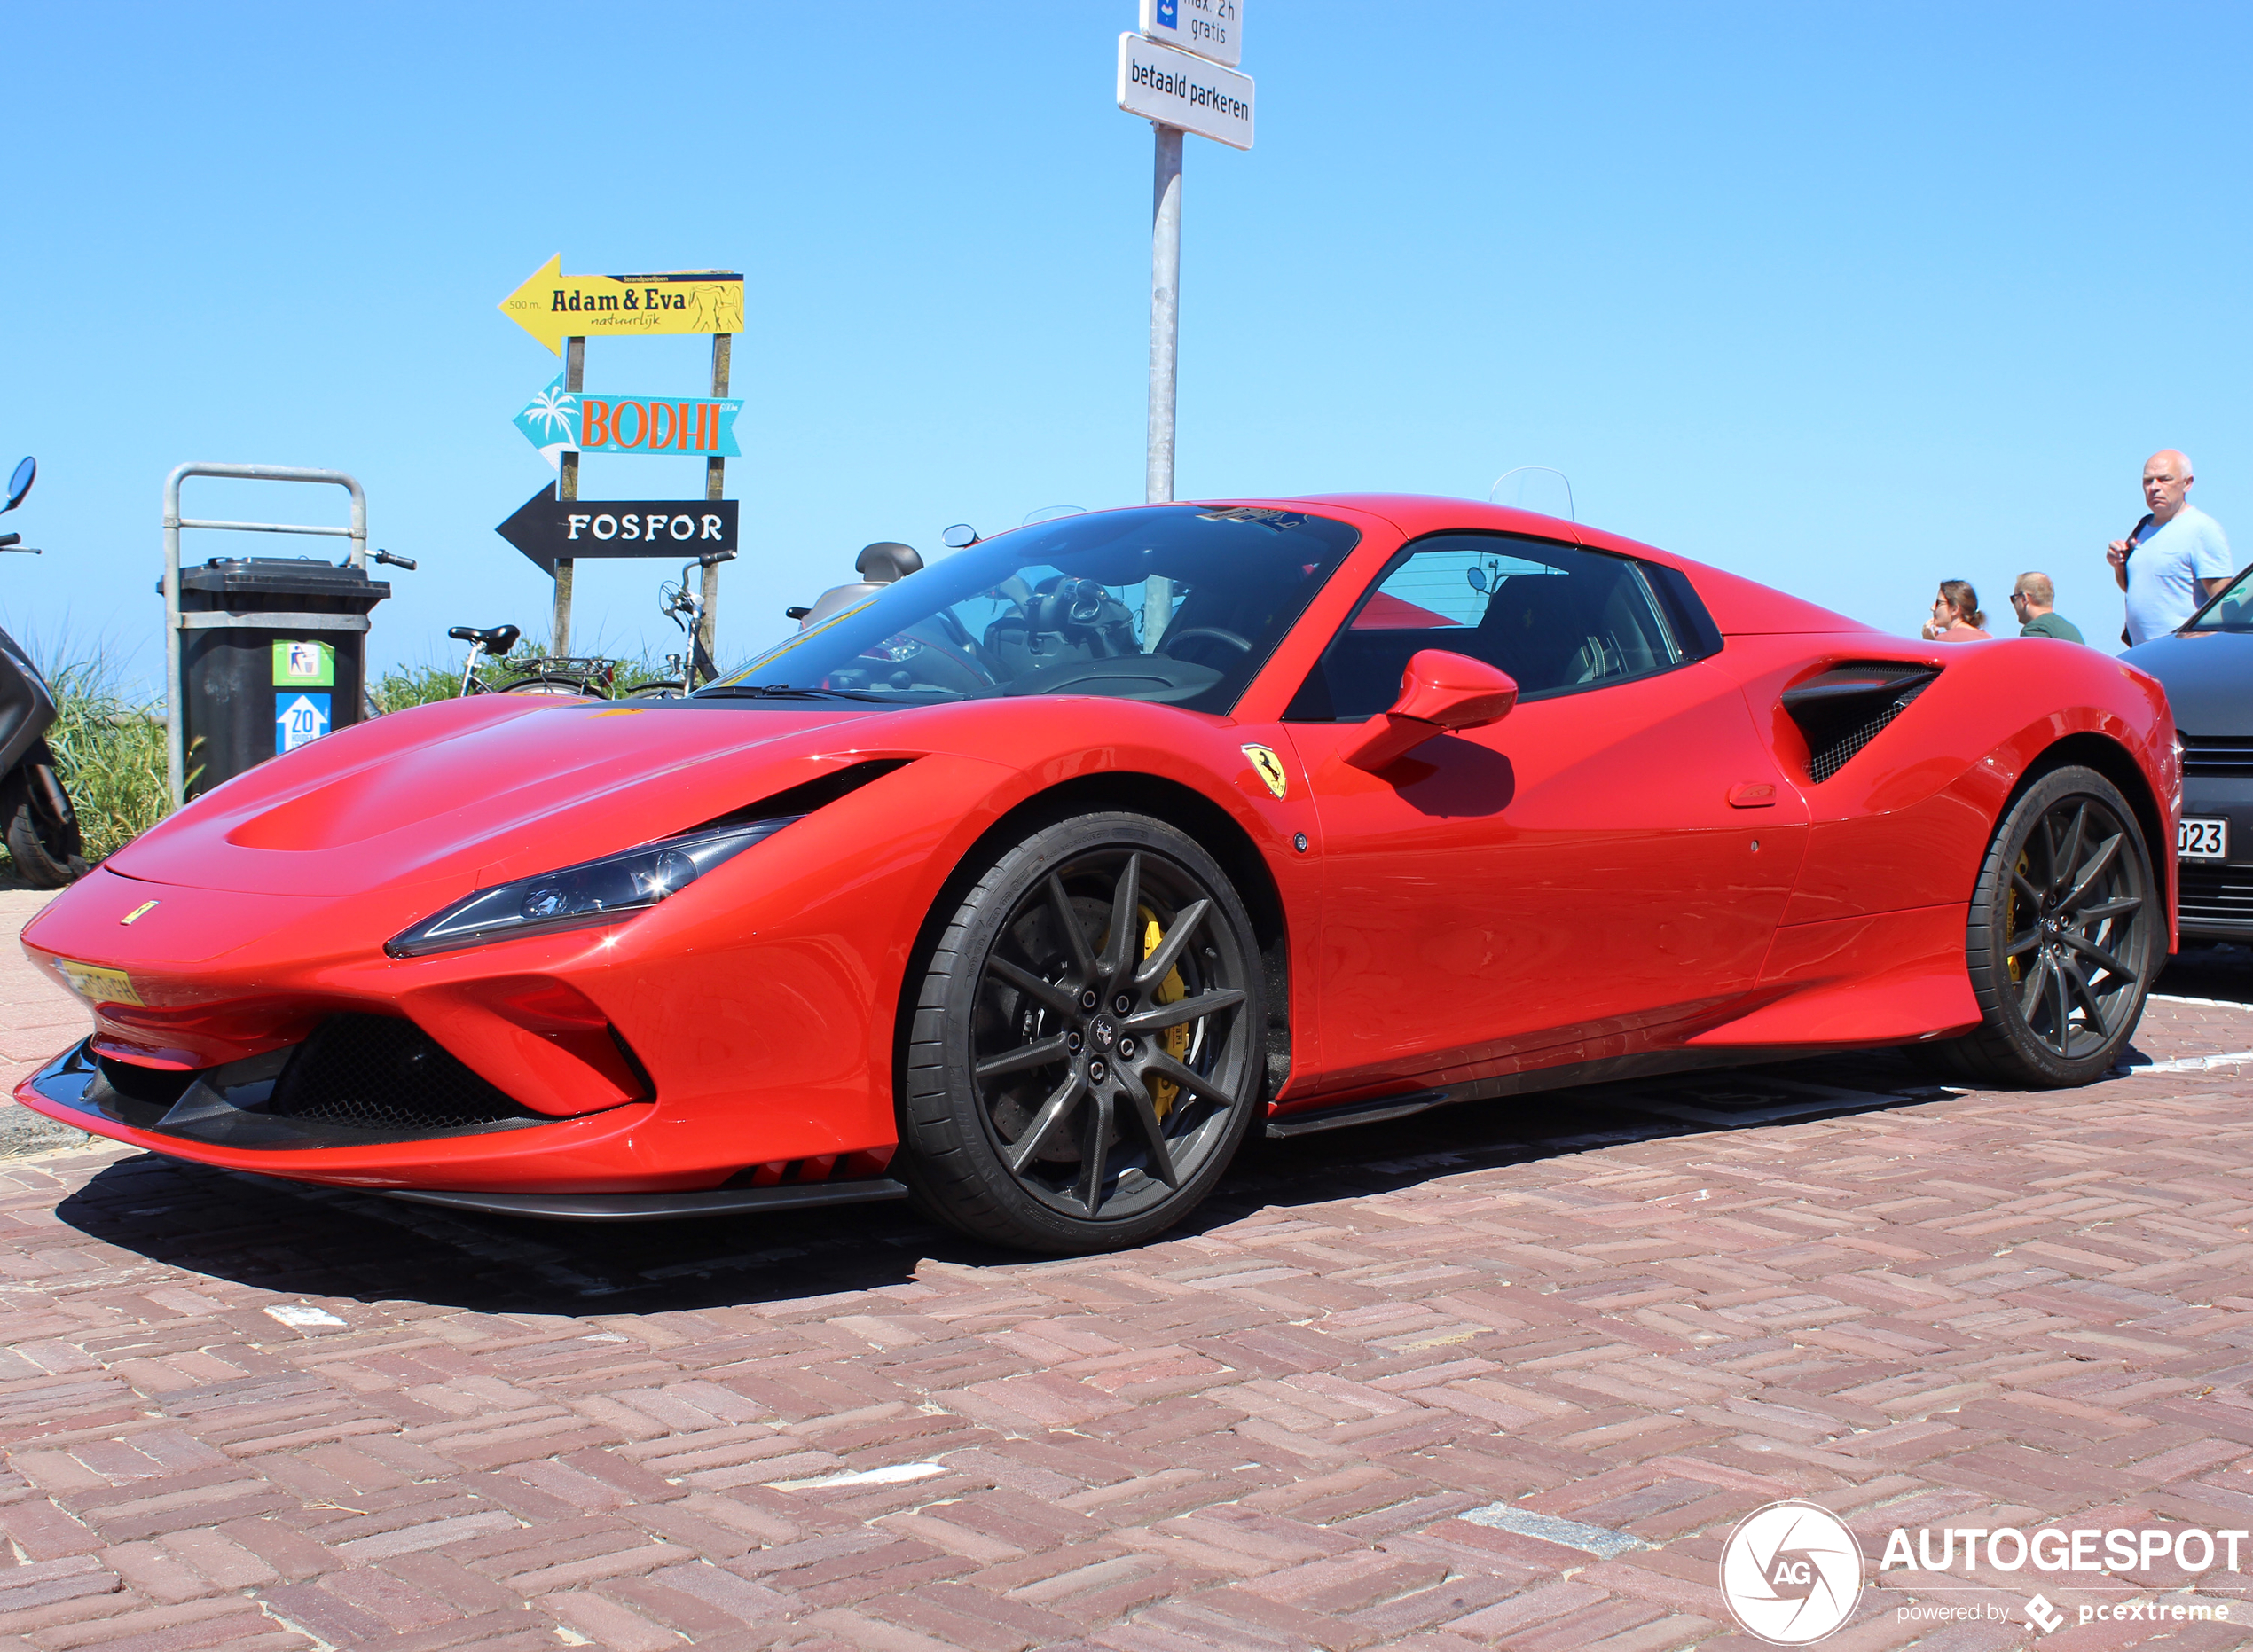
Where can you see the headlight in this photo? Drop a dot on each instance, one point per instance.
(593, 892)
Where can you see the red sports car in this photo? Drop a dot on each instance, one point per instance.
(1028, 885)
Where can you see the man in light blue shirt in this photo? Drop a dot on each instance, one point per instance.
(2177, 558)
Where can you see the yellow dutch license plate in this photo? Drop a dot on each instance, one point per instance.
(99, 985)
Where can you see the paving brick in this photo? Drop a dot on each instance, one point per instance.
(1262, 1432)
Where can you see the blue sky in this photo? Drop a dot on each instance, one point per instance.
(1846, 299)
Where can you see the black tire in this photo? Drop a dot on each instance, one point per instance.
(2067, 932)
(1034, 1113)
(48, 850)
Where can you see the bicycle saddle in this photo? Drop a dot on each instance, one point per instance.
(496, 640)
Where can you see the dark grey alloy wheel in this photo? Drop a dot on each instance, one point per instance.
(1084, 1055)
(2066, 931)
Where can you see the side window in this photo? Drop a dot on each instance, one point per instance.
(1557, 618)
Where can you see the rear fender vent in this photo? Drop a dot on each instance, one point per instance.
(1843, 708)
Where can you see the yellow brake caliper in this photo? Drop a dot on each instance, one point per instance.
(2010, 916)
(1177, 1039)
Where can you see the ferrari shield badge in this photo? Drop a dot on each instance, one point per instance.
(1270, 767)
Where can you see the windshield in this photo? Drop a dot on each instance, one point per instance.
(2231, 611)
(1167, 603)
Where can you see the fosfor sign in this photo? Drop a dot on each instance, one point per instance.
(558, 421)
(1176, 88)
(546, 528)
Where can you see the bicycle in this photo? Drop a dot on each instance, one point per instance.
(683, 604)
(585, 676)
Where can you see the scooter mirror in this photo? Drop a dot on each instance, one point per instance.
(958, 537)
(20, 483)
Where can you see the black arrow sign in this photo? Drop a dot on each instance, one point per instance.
(545, 528)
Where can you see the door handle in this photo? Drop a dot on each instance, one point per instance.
(1752, 795)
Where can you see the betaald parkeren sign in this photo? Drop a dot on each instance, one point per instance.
(1178, 88)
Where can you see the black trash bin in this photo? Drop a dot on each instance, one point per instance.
(274, 656)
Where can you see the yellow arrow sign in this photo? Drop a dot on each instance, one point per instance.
(552, 306)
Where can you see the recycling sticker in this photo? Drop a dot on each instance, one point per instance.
(304, 665)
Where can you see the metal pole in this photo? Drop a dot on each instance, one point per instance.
(715, 486)
(567, 487)
(1165, 334)
(175, 755)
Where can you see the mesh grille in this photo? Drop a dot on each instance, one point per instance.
(1830, 758)
(381, 1072)
(2222, 757)
(2216, 892)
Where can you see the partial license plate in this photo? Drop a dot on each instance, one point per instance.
(2205, 839)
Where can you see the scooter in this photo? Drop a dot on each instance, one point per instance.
(36, 819)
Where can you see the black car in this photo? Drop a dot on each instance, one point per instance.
(2207, 667)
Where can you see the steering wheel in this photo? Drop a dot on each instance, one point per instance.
(1214, 631)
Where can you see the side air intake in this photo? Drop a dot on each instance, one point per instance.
(1847, 706)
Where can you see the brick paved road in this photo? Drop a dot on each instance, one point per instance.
(242, 1414)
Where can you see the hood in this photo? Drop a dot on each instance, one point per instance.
(495, 786)
(2207, 677)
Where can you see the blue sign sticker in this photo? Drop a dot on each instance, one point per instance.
(1169, 13)
(298, 720)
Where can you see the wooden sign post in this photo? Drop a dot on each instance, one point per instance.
(562, 311)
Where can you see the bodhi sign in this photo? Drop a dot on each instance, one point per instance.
(559, 421)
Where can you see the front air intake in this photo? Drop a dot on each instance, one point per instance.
(378, 1072)
(1845, 707)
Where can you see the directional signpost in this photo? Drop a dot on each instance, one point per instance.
(548, 529)
(562, 311)
(1174, 75)
(557, 422)
(552, 306)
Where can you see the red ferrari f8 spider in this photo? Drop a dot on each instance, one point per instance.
(1028, 885)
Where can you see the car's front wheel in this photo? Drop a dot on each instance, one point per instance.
(1083, 1053)
(2068, 928)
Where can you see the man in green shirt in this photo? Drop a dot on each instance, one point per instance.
(2032, 597)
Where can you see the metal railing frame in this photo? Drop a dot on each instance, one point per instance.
(175, 622)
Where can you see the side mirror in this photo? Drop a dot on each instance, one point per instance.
(958, 537)
(1439, 691)
(20, 483)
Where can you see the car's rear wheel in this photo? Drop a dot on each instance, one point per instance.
(2066, 933)
(1083, 1055)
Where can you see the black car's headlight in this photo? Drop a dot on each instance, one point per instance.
(593, 892)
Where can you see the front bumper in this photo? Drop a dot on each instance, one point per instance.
(2216, 897)
(435, 1138)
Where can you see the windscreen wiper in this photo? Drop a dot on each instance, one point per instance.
(783, 690)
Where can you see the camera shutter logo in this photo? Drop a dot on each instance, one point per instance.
(1791, 1573)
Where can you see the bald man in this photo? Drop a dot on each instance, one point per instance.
(2177, 558)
